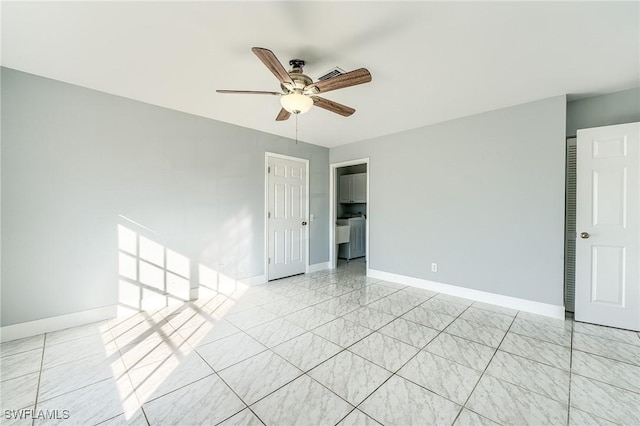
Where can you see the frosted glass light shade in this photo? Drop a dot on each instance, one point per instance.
(296, 103)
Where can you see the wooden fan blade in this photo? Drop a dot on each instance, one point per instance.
(269, 59)
(351, 78)
(249, 92)
(283, 115)
(332, 106)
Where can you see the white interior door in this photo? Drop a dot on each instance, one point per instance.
(608, 228)
(286, 217)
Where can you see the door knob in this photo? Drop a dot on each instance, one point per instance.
(304, 223)
(584, 235)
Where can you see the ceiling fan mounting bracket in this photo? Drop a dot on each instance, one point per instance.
(297, 63)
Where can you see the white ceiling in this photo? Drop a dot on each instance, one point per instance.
(430, 61)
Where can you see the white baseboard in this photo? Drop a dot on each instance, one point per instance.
(258, 279)
(317, 267)
(553, 311)
(262, 279)
(46, 325)
(193, 293)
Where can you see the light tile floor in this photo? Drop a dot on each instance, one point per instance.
(324, 349)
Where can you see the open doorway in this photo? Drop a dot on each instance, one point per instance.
(350, 206)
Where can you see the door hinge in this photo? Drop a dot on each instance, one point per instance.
(269, 261)
(268, 169)
(269, 215)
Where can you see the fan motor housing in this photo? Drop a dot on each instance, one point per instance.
(300, 80)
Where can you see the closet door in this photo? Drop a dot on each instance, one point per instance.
(570, 228)
(608, 226)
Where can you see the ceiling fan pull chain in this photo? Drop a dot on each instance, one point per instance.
(296, 128)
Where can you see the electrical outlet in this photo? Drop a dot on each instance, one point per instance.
(434, 267)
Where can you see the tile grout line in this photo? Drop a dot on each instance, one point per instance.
(571, 350)
(537, 338)
(81, 387)
(343, 349)
(526, 389)
(618, 387)
(242, 330)
(377, 330)
(462, 406)
(305, 372)
(552, 366)
(590, 378)
(458, 337)
(35, 404)
(126, 371)
(394, 373)
(535, 360)
(215, 372)
(608, 340)
(19, 353)
(485, 370)
(570, 377)
(247, 406)
(608, 357)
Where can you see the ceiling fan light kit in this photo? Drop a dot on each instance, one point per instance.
(296, 103)
(299, 91)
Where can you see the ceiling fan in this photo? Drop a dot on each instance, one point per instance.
(299, 91)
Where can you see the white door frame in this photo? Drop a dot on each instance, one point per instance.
(333, 205)
(266, 209)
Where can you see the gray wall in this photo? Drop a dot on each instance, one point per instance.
(74, 160)
(483, 196)
(615, 108)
